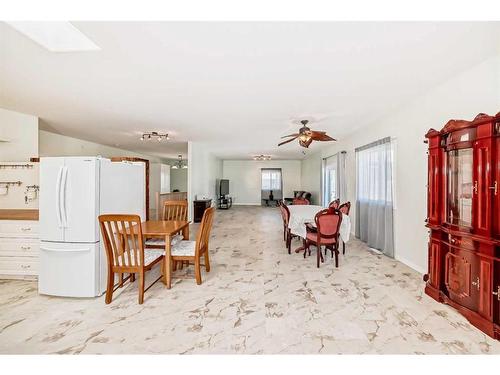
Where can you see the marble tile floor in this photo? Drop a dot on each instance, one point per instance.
(257, 299)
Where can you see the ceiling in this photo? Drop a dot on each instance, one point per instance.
(234, 85)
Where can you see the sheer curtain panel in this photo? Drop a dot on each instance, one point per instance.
(374, 195)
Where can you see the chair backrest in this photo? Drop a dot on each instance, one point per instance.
(300, 201)
(175, 210)
(203, 235)
(334, 204)
(345, 208)
(328, 223)
(123, 242)
(285, 213)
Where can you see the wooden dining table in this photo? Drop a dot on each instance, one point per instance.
(165, 229)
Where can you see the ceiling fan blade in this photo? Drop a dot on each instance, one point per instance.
(321, 136)
(291, 135)
(288, 140)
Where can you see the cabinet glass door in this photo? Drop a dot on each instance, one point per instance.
(459, 187)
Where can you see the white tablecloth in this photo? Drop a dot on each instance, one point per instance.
(302, 214)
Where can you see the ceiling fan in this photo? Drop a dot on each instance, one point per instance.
(306, 136)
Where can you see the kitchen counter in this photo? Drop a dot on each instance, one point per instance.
(18, 214)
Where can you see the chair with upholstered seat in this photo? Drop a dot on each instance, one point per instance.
(192, 251)
(287, 235)
(300, 201)
(123, 241)
(334, 204)
(172, 210)
(325, 234)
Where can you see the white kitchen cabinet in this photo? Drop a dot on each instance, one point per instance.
(19, 247)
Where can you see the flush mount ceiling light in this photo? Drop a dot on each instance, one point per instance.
(55, 36)
(262, 157)
(153, 135)
(180, 164)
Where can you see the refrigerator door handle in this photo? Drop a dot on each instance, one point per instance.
(64, 213)
(63, 251)
(58, 197)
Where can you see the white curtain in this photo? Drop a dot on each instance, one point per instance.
(333, 179)
(271, 181)
(374, 195)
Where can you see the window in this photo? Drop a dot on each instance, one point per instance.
(271, 179)
(333, 178)
(271, 182)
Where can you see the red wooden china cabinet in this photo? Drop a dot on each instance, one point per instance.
(463, 217)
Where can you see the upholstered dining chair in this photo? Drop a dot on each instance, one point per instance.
(125, 252)
(172, 210)
(287, 235)
(192, 251)
(334, 204)
(344, 208)
(300, 201)
(327, 234)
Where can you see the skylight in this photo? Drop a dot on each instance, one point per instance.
(55, 36)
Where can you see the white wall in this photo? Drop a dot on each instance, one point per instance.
(51, 144)
(18, 136)
(245, 178)
(204, 168)
(463, 97)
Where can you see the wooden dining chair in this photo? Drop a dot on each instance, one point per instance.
(174, 211)
(334, 204)
(344, 208)
(192, 251)
(327, 234)
(300, 201)
(287, 235)
(125, 252)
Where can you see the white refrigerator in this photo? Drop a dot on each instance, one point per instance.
(74, 191)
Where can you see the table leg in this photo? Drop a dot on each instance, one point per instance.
(185, 232)
(167, 275)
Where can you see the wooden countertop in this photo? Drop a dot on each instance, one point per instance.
(18, 214)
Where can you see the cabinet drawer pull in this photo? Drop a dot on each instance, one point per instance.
(497, 293)
(25, 266)
(26, 229)
(477, 283)
(494, 188)
(25, 247)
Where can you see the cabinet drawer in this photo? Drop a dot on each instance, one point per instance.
(18, 266)
(461, 242)
(19, 247)
(19, 228)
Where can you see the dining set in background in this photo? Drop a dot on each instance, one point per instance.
(316, 226)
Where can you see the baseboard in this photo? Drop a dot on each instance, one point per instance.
(411, 265)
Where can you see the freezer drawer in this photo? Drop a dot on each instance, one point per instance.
(69, 269)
